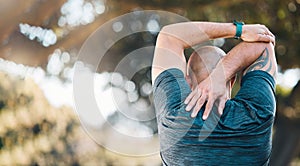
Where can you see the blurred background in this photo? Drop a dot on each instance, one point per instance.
(39, 45)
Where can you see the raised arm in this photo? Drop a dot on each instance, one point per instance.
(245, 56)
(248, 57)
(174, 38)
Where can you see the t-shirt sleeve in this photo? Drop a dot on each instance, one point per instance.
(170, 89)
(257, 94)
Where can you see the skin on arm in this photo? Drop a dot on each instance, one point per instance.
(246, 55)
(266, 62)
(174, 38)
(260, 55)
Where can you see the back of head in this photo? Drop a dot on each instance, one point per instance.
(202, 61)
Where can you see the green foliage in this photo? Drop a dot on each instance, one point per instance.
(282, 91)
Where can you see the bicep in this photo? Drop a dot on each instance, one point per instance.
(168, 54)
(265, 62)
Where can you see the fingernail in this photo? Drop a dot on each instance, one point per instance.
(185, 102)
(188, 108)
(193, 115)
(204, 117)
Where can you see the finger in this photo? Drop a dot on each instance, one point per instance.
(199, 104)
(274, 43)
(265, 30)
(208, 108)
(193, 102)
(272, 39)
(221, 106)
(265, 38)
(190, 96)
(270, 33)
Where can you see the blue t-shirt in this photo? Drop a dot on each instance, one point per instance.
(241, 136)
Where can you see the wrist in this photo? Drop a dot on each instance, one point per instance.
(231, 30)
(224, 70)
(239, 29)
(219, 74)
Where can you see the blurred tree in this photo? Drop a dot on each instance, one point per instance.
(32, 132)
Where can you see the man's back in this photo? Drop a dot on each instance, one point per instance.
(241, 136)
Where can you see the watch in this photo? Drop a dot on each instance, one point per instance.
(239, 29)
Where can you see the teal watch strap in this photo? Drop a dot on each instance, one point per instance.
(239, 29)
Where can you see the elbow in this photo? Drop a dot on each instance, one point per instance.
(166, 30)
(167, 38)
(165, 34)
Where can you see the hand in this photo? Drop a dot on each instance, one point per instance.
(257, 33)
(212, 89)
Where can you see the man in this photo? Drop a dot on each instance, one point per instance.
(222, 132)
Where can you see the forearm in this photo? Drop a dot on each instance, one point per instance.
(191, 33)
(174, 38)
(239, 58)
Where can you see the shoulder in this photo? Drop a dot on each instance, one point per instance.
(256, 77)
(257, 93)
(170, 87)
(168, 77)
